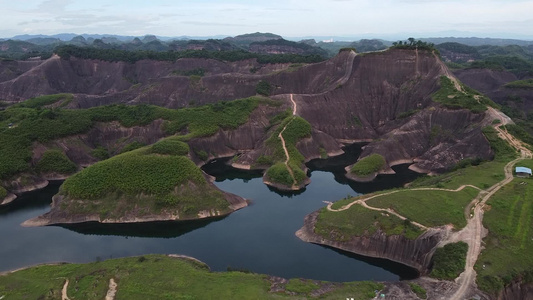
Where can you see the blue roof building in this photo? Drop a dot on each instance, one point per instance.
(523, 172)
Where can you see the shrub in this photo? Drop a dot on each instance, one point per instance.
(368, 165)
(449, 261)
(280, 174)
(170, 146)
(3, 192)
(132, 146)
(56, 161)
(263, 88)
(100, 152)
(418, 290)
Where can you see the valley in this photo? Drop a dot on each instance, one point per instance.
(132, 140)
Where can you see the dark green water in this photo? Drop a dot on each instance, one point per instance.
(259, 238)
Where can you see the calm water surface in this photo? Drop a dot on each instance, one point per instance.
(259, 238)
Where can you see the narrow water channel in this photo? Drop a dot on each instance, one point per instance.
(259, 238)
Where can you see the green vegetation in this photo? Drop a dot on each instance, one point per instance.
(170, 146)
(200, 72)
(132, 146)
(263, 88)
(407, 114)
(66, 51)
(161, 277)
(3, 192)
(43, 125)
(521, 84)
(502, 150)
(430, 208)
(413, 44)
(368, 165)
(507, 253)
(39, 102)
(360, 221)
(301, 286)
(296, 128)
(140, 183)
(520, 133)
(449, 261)
(418, 290)
(132, 173)
(347, 49)
(207, 120)
(468, 98)
(57, 162)
(100, 152)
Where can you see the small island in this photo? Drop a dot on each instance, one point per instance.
(155, 183)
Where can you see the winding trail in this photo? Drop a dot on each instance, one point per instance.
(112, 291)
(363, 203)
(280, 136)
(472, 233)
(64, 291)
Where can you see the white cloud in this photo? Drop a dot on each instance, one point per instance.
(287, 17)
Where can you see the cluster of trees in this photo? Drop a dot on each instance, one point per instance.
(411, 43)
(67, 51)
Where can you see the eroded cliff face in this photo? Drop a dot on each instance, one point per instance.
(414, 253)
(383, 98)
(517, 291)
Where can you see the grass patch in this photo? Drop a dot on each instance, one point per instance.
(55, 161)
(359, 221)
(418, 290)
(158, 277)
(451, 98)
(3, 192)
(449, 261)
(429, 208)
(507, 254)
(170, 146)
(520, 84)
(368, 165)
(301, 286)
(483, 176)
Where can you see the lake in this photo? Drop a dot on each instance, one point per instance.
(259, 238)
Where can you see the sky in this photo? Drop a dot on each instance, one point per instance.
(289, 18)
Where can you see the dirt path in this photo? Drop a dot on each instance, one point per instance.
(363, 203)
(472, 234)
(294, 107)
(448, 74)
(64, 291)
(112, 291)
(280, 135)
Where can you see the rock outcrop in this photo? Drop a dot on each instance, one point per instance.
(517, 290)
(413, 253)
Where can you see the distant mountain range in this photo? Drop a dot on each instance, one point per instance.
(42, 39)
